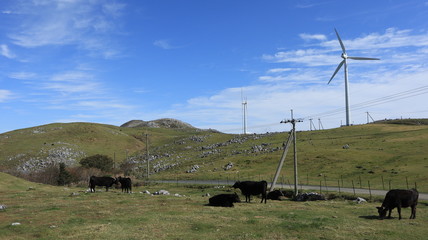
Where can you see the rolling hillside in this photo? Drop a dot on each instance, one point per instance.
(383, 153)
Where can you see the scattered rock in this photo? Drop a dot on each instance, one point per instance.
(161, 192)
(228, 166)
(311, 196)
(360, 200)
(3, 207)
(193, 169)
(15, 224)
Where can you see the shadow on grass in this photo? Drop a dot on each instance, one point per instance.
(371, 217)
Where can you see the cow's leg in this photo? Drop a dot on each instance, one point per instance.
(389, 213)
(106, 188)
(413, 215)
(399, 212)
(263, 197)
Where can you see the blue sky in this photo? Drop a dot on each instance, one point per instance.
(113, 61)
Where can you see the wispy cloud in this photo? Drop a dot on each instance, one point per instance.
(23, 75)
(164, 44)
(5, 95)
(319, 37)
(5, 51)
(75, 22)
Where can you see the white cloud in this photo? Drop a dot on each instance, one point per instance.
(78, 23)
(5, 95)
(319, 37)
(164, 44)
(23, 75)
(5, 51)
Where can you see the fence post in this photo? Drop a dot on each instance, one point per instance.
(370, 190)
(338, 184)
(416, 187)
(389, 184)
(407, 183)
(320, 186)
(353, 187)
(325, 182)
(282, 182)
(383, 184)
(361, 184)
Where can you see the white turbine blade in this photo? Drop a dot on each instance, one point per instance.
(337, 70)
(363, 58)
(340, 41)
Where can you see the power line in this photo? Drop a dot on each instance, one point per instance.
(385, 99)
(390, 98)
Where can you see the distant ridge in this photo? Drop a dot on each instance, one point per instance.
(160, 123)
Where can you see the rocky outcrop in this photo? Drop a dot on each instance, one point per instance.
(160, 123)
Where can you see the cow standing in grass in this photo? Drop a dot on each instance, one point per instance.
(125, 184)
(398, 198)
(249, 188)
(101, 181)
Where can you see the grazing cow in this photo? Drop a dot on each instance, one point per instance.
(101, 181)
(224, 200)
(249, 188)
(125, 184)
(398, 198)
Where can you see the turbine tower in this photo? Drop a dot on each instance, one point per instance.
(244, 113)
(344, 62)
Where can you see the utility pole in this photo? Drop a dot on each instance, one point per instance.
(147, 155)
(368, 115)
(320, 126)
(312, 124)
(293, 122)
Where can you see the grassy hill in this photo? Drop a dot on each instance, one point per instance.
(383, 153)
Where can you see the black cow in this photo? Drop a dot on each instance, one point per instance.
(101, 181)
(249, 188)
(224, 200)
(398, 198)
(125, 184)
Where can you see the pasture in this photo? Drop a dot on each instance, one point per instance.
(49, 212)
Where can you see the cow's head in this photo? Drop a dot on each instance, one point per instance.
(382, 212)
(237, 184)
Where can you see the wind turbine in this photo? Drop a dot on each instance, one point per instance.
(244, 112)
(344, 62)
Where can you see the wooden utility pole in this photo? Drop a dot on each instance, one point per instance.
(281, 162)
(291, 137)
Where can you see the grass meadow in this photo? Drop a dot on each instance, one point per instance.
(50, 212)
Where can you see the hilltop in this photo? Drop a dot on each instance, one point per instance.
(160, 123)
(393, 153)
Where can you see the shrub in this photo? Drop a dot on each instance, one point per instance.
(64, 177)
(102, 162)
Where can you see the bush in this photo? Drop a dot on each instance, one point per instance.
(102, 162)
(64, 177)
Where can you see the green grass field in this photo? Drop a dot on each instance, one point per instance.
(49, 212)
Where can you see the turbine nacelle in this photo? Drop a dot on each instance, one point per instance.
(344, 55)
